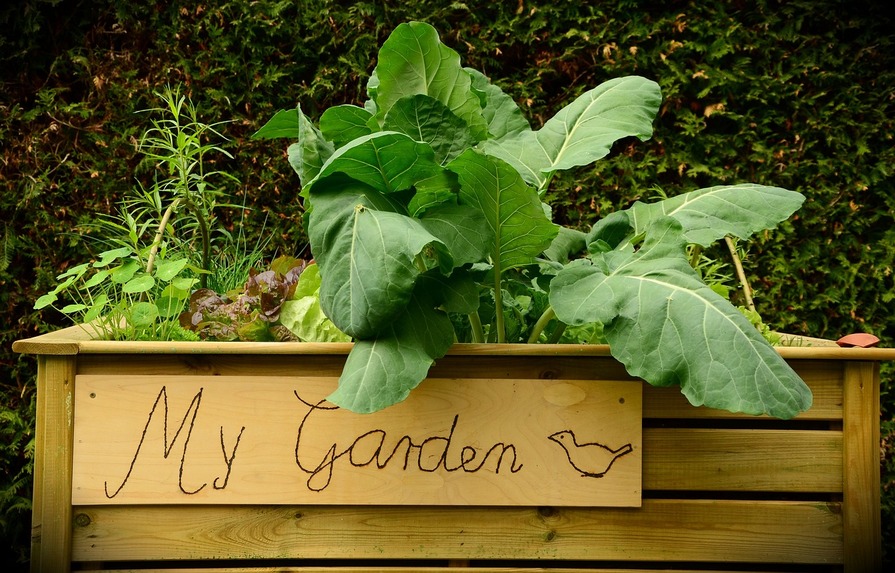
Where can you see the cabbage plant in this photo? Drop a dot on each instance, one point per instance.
(425, 211)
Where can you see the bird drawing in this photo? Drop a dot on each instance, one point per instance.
(591, 460)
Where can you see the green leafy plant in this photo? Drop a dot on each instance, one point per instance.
(427, 203)
(177, 145)
(277, 304)
(116, 297)
(158, 248)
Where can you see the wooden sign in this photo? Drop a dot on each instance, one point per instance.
(276, 440)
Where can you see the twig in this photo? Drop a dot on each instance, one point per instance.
(738, 265)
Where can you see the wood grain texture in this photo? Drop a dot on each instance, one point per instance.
(785, 461)
(78, 340)
(861, 502)
(823, 377)
(274, 439)
(52, 514)
(454, 566)
(662, 530)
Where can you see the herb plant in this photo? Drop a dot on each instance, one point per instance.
(158, 249)
(426, 204)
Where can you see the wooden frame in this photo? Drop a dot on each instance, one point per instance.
(720, 490)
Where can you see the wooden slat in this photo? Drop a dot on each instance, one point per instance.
(414, 568)
(64, 342)
(824, 377)
(742, 460)
(229, 440)
(77, 339)
(663, 530)
(52, 513)
(861, 502)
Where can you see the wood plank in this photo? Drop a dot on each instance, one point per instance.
(742, 460)
(861, 502)
(52, 513)
(706, 531)
(823, 377)
(210, 365)
(541, 568)
(76, 339)
(478, 568)
(268, 440)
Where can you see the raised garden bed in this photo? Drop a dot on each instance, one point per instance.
(698, 489)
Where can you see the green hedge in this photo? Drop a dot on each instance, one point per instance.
(796, 94)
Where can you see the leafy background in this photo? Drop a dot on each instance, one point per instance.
(797, 94)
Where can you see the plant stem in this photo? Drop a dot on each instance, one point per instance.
(475, 324)
(548, 315)
(741, 274)
(498, 307)
(557, 334)
(206, 242)
(157, 241)
(694, 256)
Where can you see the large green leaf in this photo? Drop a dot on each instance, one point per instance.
(463, 229)
(342, 123)
(583, 131)
(517, 221)
(500, 111)
(382, 371)
(712, 213)
(388, 161)
(668, 327)
(284, 123)
(309, 154)
(369, 258)
(440, 189)
(414, 61)
(424, 118)
(302, 314)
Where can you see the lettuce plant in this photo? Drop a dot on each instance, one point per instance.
(425, 205)
(250, 313)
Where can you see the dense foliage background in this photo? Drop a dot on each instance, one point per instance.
(797, 94)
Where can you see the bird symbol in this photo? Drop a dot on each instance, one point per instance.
(592, 460)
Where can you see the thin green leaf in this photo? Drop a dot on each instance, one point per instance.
(97, 279)
(106, 258)
(45, 301)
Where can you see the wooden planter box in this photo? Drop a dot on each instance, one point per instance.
(697, 489)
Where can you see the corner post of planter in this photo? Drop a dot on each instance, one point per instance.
(861, 481)
(51, 520)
